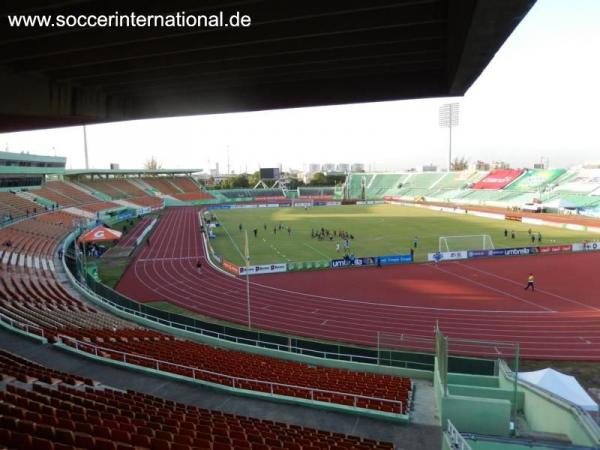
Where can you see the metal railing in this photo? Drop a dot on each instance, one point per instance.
(31, 329)
(236, 382)
(287, 347)
(457, 441)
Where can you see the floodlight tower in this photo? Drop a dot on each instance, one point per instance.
(449, 119)
(85, 148)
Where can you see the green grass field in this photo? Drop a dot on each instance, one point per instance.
(377, 229)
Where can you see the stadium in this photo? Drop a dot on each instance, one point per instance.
(141, 308)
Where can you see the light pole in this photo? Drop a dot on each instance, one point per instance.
(247, 258)
(449, 119)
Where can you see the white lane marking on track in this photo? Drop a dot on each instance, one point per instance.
(570, 300)
(470, 280)
(391, 305)
(325, 322)
(584, 340)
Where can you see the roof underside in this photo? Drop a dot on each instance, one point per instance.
(300, 53)
(116, 172)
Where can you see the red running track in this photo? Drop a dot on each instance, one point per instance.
(476, 299)
(129, 239)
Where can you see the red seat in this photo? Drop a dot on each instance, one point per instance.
(160, 444)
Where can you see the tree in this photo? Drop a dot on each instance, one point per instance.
(318, 179)
(152, 164)
(237, 182)
(254, 178)
(459, 164)
(294, 183)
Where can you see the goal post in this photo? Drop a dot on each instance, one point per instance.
(465, 242)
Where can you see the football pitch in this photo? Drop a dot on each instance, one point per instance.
(377, 230)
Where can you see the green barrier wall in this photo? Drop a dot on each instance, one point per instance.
(471, 414)
(308, 265)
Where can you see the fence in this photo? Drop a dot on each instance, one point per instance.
(28, 328)
(457, 442)
(270, 387)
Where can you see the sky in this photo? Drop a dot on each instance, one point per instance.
(538, 98)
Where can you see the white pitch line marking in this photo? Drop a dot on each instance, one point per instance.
(318, 251)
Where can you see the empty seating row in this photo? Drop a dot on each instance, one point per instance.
(116, 188)
(191, 196)
(185, 184)
(14, 367)
(49, 411)
(163, 185)
(64, 194)
(100, 206)
(258, 372)
(13, 207)
(147, 201)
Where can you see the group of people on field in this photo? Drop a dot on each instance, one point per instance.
(324, 234)
(533, 235)
(278, 227)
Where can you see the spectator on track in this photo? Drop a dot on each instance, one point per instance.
(148, 242)
(530, 283)
(199, 266)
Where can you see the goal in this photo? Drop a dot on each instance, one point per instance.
(466, 242)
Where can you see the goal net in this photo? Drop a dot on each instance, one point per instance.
(466, 242)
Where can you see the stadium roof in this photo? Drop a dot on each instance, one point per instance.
(301, 53)
(131, 171)
(27, 157)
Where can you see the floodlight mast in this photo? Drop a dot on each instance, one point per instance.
(449, 119)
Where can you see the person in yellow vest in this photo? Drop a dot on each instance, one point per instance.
(530, 282)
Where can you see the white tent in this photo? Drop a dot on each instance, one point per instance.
(559, 203)
(562, 385)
